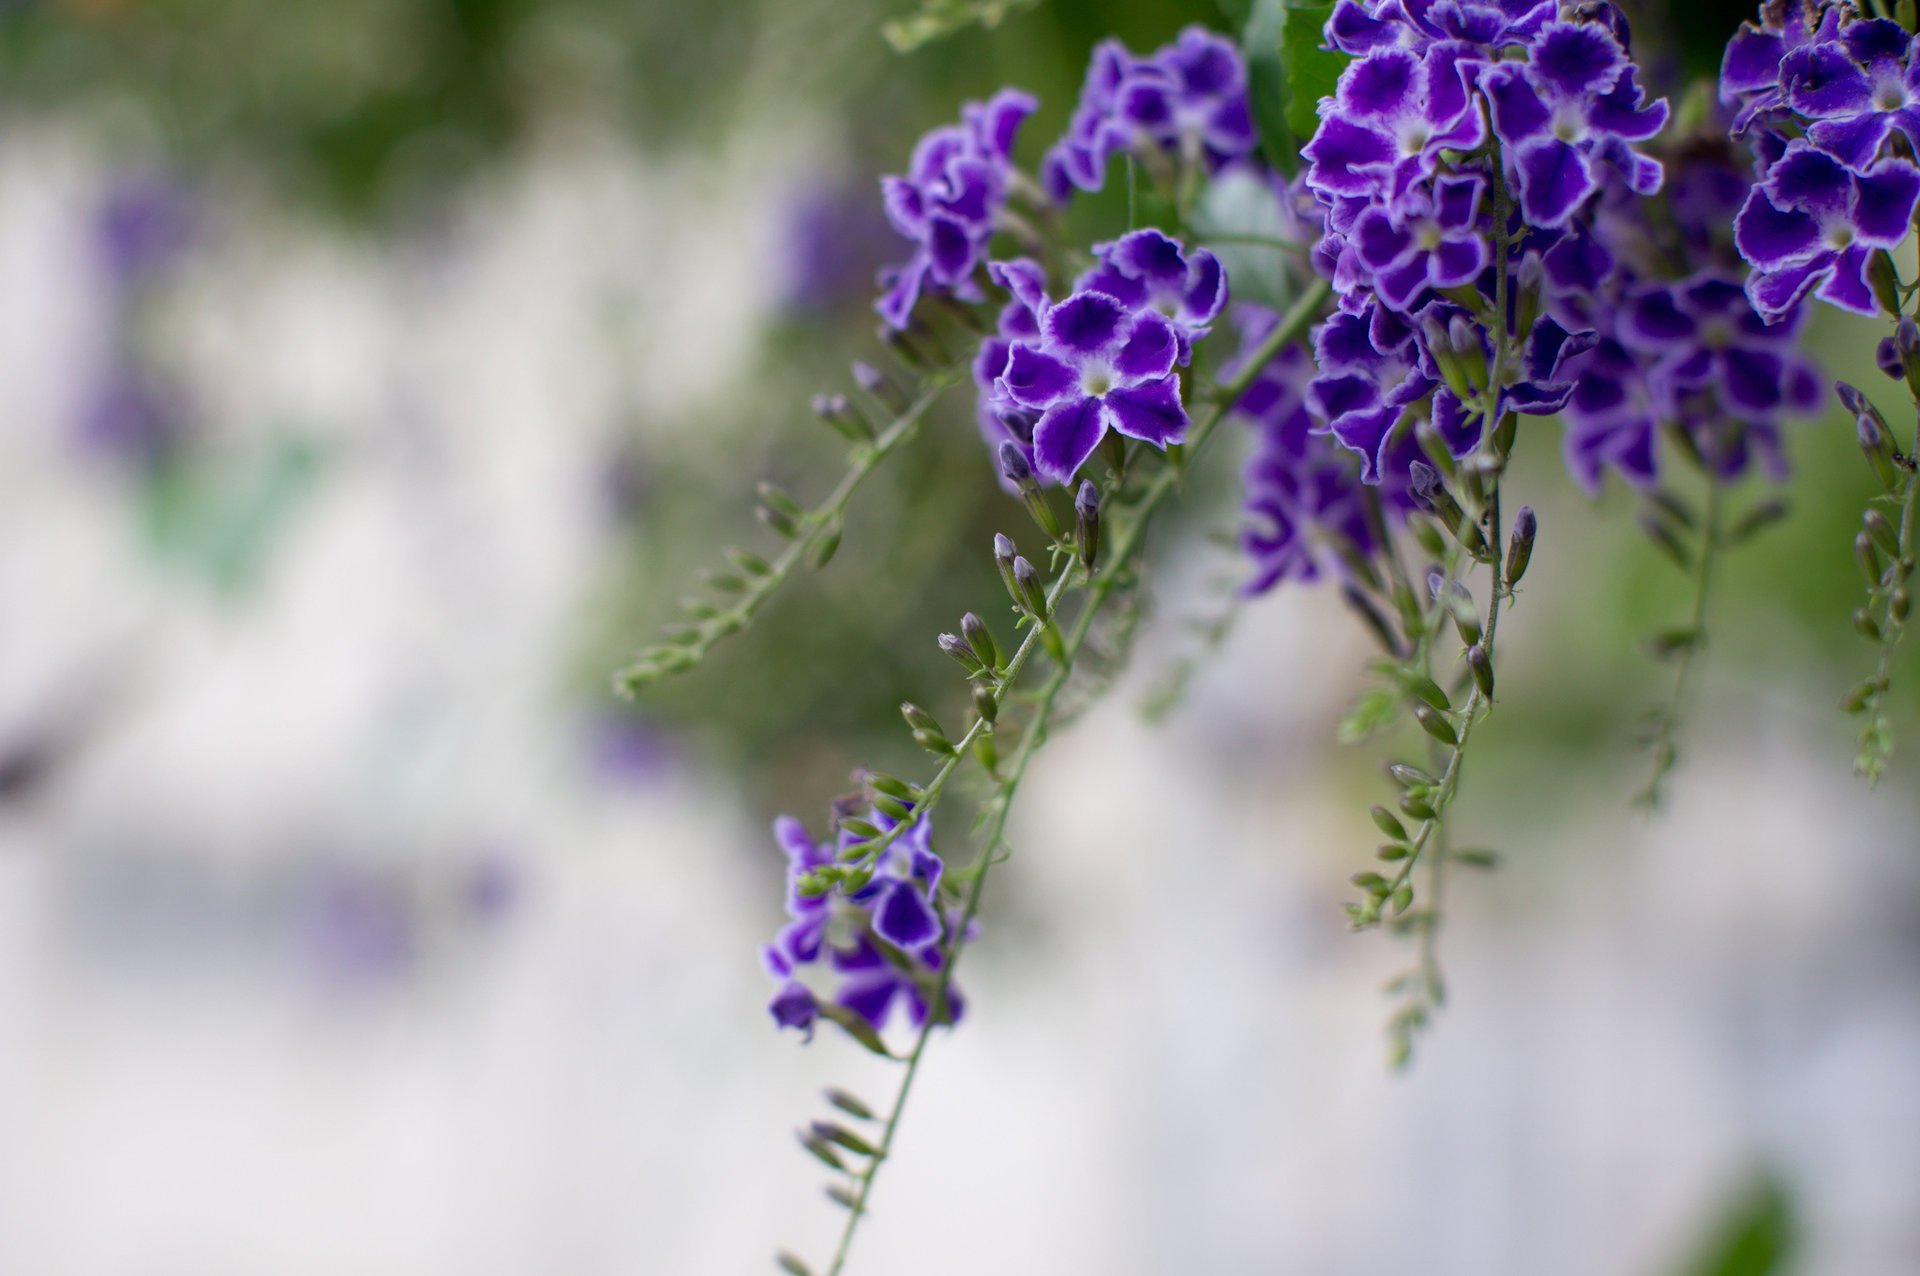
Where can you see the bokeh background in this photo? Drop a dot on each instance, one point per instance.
(376, 376)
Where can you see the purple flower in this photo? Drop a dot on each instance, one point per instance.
(1857, 89)
(1610, 419)
(1390, 118)
(948, 203)
(1576, 99)
(1096, 366)
(1813, 225)
(1704, 335)
(1434, 241)
(1369, 378)
(1001, 419)
(1301, 486)
(1189, 97)
(1750, 73)
(1146, 270)
(892, 923)
(1359, 28)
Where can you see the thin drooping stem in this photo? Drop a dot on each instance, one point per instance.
(1691, 639)
(814, 527)
(1115, 571)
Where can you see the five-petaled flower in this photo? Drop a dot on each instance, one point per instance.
(1096, 366)
(1576, 99)
(1814, 225)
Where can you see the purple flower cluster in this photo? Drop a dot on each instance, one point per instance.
(949, 203)
(1189, 98)
(1444, 109)
(1303, 489)
(1689, 352)
(882, 938)
(1057, 376)
(1829, 103)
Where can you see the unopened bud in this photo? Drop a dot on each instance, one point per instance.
(1434, 724)
(1520, 548)
(980, 638)
(1899, 605)
(1869, 557)
(1886, 356)
(1014, 466)
(1482, 666)
(1877, 445)
(848, 424)
(877, 384)
(962, 651)
(1882, 532)
(1003, 556)
(919, 719)
(1864, 626)
(1387, 823)
(1086, 523)
(986, 703)
(1027, 590)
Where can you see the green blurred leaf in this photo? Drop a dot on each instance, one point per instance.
(1754, 1236)
(1288, 72)
(1312, 71)
(938, 19)
(1263, 25)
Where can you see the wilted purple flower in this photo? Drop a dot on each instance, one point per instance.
(1145, 270)
(1575, 100)
(1096, 366)
(1189, 97)
(949, 202)
(1814, 225)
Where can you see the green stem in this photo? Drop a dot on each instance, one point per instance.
(1664, 754)
(818, 524)
(1102, 586)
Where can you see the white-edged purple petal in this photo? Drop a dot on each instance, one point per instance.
(1575, 59)
(1151, 412)
(1066, 437)
(1149, 351)
(1085, 324)
(1036, 379)
(1555, 179)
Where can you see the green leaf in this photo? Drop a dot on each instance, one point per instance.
(1376, 709)
(1264, 25)
(1755, 1235)
(938, 19)
(1311, 70)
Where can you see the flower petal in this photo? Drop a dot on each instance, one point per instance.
(1151, 413)
(1086, 323)
(1150, 349)
(1035, 379)
(1066, 437)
